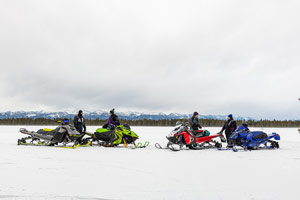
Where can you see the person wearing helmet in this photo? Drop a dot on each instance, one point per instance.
(79, 122)
(229, 127)
(195, 123)
(112, 121)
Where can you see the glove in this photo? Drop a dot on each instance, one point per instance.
(222, 138)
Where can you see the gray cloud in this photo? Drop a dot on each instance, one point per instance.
(216, 57)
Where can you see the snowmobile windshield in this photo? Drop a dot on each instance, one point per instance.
(178, 129)
(126, 126)
(179, 123)
(242, 128)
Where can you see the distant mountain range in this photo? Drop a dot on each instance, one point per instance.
(104, 115)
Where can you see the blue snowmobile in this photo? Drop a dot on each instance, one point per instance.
(252, 140)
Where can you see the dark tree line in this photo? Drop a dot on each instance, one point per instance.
(146, 122)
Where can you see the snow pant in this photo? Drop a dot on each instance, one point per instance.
(228, 134)
(80, 138)
(194, 131)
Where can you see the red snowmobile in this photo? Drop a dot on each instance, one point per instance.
(182, 137)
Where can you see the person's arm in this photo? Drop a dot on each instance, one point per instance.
(223, 128)
(234, 126)
(110, 121)
(192, 123)
(199, 125)
(117, 122)
(76, 122)
(84, 126)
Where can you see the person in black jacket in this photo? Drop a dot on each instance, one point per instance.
(229, 127)
(79, 122)
(195, 123)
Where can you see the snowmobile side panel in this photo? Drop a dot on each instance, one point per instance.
(59, 136)
(48, 129)
(36, 135)
(206, 138)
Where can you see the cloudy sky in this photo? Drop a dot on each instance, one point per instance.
(216, 57)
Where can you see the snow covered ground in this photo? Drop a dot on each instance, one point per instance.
(116, 173)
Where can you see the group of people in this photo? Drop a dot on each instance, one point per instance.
(80, 125)
(229, 126)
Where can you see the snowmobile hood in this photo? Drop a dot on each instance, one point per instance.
(102, 130)
(242, 128)
(127, 131)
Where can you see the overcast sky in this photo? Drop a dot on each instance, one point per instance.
(214, 57)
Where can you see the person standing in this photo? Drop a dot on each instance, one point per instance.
(79, 122)
(229, 127)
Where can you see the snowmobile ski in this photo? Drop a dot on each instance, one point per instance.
(71, 147)
(173, 147)
(140, 145)
(86, 144)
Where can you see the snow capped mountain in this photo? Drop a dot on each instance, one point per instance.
(104, 115)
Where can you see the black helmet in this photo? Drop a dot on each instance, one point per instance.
(112, 111)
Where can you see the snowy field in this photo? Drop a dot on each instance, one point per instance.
(28, 172)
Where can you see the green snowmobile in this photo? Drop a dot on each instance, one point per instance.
(121, 134)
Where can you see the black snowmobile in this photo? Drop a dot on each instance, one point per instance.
(65, 134)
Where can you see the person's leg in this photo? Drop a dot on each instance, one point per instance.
(228, 139)
(194, 131)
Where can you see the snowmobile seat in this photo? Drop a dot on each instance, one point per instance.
(201, 133)
(259, 135)
(48, 129)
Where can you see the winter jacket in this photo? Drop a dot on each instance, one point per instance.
(79, 123)
(113, 120)
(229, 127)
(195, 123)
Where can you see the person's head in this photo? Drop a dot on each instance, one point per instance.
(112, 112)
(230, 117)
(80, 112)
(196, 114)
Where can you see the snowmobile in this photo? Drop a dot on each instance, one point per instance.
(114, 136)
(252, 140)
(64, 133)
(182, 136)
